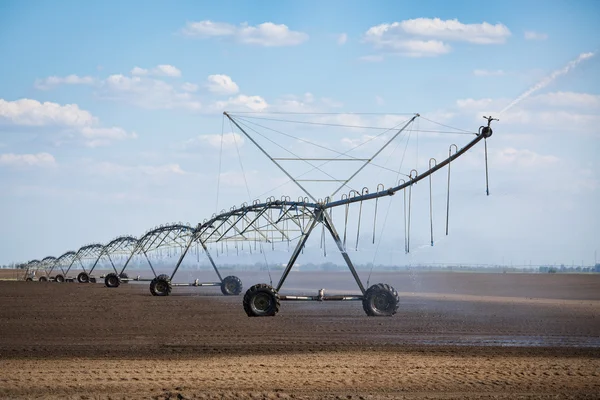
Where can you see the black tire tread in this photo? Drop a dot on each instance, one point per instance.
(261, 287)
(109, 277)
(238, 288)
(380, 287)
(161, 277)
(83, 277)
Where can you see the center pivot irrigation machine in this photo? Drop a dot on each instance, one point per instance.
(283, 220)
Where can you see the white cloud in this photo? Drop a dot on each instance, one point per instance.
(147, 93)
(521, 158)
(229, 141)
(474, 103)
(33, 113)
(487, 72)
(424, 37)
(569, 99)
(238, 179)
(29, 160)
(266, 34)
(119, 170)
(209, 29)
(549, 112)
(189, 87)
(28, 112)
(531, 35)
(53, 81)
(453, 30)
(139, 71)
(96, 137)
(221, 84)
(159, 70)
(241, 102)
(342, 39)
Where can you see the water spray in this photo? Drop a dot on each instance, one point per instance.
(549, 79)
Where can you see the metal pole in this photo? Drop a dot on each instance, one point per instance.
(129, 259)
(182, 257)
(210, 259)
(298, 248)
(329, 223)
(113, 265)
(392, 191)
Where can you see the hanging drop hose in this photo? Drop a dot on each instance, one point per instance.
(375, 216)
(448, 195)
(431, 198)
(486, 131)
(409, 208)
(487, 187)
(365, 190)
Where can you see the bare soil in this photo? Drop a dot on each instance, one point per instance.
(456, 335)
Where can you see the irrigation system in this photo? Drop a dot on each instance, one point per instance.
(263, 223)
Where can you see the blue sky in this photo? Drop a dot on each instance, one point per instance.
(111, 115)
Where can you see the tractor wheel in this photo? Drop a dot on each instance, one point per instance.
(231, 286)
(43, 279)
(161, 285)
(112, 280)
(59, 278)
(261, 300)
(123, 275)
(381, 300)
(83, 277)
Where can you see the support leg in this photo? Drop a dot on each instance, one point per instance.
(299, 247)
(329, 224)
(182, 257)
(212, 262)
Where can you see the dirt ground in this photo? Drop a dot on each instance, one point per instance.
(456, 335)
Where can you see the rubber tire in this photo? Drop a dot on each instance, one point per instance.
(381, 300)
(43, 279)
(112, 280)
(123, 275)
(28, 280)
(83, 277)
(59, 278)
(231, 286)
(263, 292)
(161, 285)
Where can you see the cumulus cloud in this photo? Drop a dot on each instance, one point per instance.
(53, 81)
(69, 117)
(532, 35)
(241, 102)
(521, 158)
(112, 169)
(33, 113)
(266, 34)
(159, 70)
(147, 93)
(227, 140)
(189, 87)
(221, 84)
(552, 112)
(27, 160)
(427, 37)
